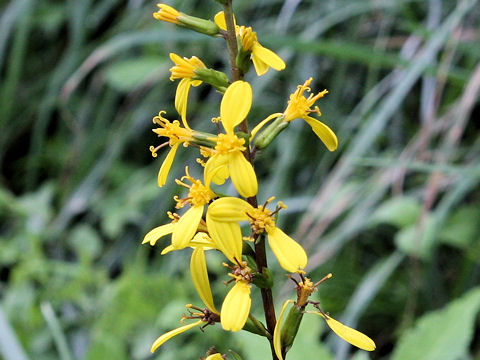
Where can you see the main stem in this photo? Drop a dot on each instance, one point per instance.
(260, 253)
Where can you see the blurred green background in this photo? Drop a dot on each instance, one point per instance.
(393, 214)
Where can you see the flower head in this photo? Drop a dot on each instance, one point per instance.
(184, 69)
(237, 303)
(228, 155)
(198, 196)
(167, 13)
(229, 210)
(262, 58)
(176, 135)
(300, 106)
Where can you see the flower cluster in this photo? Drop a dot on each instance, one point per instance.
(236, 226)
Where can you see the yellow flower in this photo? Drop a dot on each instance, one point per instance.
(204, 317)
(237, 303)
(228, 156)
(198, 196)
(300, 107)
(229, 210)
(176, 135)
(262, 58)
(167, 13)
(184, 69)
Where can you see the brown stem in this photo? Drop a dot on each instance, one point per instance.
(260, 254)
(231, 40)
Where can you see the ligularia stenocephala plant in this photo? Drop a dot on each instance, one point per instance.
(208, 220)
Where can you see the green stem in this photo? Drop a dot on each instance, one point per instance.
(260, 253)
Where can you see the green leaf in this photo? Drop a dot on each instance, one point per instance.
(416, 240)
(441, 334)
(461, 229)
(126, 75)
(399, 211)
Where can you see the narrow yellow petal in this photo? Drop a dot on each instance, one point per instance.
(227, 237)
(289, 253)
(236, 307)
(277, 333)
(198, 270)
(166, 165)
(348, 334)
(167, 336)
(216, 170)
(155, 234)
(186, 227)
(229, 209)
(236, 104)
(268, 57)
(242, 174)
(325, 134)
(181, 99)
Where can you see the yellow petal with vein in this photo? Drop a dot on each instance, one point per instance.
(260, 66)
(227, 237)
(348, 334)
(236, 104)
(155, 234)
(229, 209)
(198, 270)
(277, 333)
(289, 253)
(167, 336)
(181, 99)
(242, 174)
(236, 307)
(186, 227)
(166, 165)
(325, 134)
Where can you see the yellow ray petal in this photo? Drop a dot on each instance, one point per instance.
(289, 253)
(277, 333)
(260, 66)
(172, 333)
(216, 356)
(155, 234)
(168, 249)
(325, 134)
(229, 209)
(186, 227)
(198, 270)
(216, 170)
(227, 237)
(181, 99)
(166, 165)
(348, 334)
(236, 307)
(242, 174)
(219, 19)
(268, 57)
(236, 104)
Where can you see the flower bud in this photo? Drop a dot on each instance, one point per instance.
(217, 79)
(271, 131)
(200, 25)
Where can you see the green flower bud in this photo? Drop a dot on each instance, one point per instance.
(200, 25)
(217, 79)
(270, 132)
